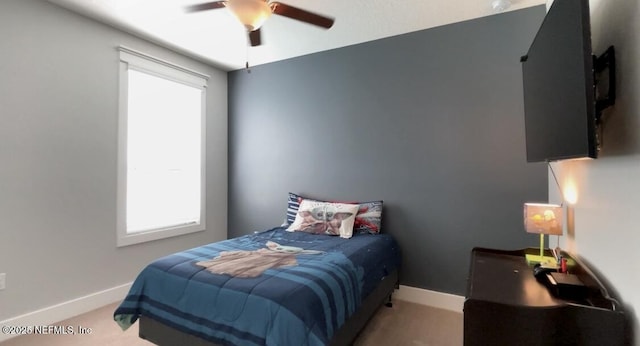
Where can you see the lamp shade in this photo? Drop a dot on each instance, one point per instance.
(251, 13)
(543, 218)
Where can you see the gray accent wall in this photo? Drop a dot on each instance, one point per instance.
(431, 122)
(58, 158)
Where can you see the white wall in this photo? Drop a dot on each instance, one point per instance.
(58, 142)
(607, 211)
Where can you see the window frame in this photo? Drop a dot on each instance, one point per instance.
(134, 60)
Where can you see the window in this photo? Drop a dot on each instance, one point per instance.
(161, 186)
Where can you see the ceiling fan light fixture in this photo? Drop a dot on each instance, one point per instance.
(251, 13)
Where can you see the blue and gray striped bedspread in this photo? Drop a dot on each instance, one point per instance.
(261, 289)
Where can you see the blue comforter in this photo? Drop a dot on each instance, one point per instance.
(270, 288)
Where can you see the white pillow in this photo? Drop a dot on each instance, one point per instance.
(325, 218)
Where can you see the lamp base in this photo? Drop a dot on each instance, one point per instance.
(545, 261)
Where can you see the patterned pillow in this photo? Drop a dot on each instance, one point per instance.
(325, 218)
(368, 219)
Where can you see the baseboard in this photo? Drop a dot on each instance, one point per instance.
(434, 299)
(68, 309)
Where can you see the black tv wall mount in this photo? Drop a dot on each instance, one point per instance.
(606, 61)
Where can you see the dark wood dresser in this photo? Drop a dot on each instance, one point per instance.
(506, 305)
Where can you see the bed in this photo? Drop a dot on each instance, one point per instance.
(273, 287)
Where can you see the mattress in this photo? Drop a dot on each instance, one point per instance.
(269, 288)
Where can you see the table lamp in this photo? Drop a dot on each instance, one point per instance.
(542, 219)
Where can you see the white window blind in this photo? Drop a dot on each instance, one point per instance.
(161, 149)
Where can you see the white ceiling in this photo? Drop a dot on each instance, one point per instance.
(217, 38)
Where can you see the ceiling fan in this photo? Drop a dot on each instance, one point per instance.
(253, 13)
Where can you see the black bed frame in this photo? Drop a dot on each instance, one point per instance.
(161, 334)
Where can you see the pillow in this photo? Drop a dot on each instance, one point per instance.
(325, 218)
(368, 219)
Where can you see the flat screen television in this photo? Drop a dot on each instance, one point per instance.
(559, 87)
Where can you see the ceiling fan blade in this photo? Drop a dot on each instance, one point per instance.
(205, 6)
(254, 38)
(301, 15)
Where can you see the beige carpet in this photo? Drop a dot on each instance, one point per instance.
(403, 324)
